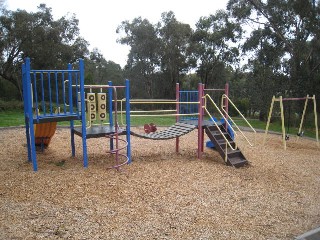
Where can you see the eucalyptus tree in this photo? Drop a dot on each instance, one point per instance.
(158, 54)
(215, 46)
(287, 31)
(100, 71)
(175, 40)
(49, 43)
(143, 59)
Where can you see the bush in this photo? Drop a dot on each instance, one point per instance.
(11, 105)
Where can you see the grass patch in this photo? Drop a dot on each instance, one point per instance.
(16, 118)
(11, 118)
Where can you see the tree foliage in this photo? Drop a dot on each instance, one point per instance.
(261, 47)
(49, 43)
(284, 45)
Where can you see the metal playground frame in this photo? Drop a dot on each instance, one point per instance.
(284, 134)
(52, 96)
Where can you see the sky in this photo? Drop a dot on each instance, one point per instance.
(99, 19)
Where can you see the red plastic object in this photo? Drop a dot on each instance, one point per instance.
(153, 127)
(147, 128)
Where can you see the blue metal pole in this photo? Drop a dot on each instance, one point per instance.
(73, 149)
(24, 82)
(128, 120)
(30, 116)
(83, 115)
(110, 113)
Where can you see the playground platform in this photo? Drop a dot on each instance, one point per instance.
(98, 131)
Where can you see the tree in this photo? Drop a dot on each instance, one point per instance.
(175, 40)
(290, 31)
(214, 46)
(143, 58)
(100, 71)
(49, 43)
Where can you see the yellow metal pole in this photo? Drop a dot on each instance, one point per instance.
(315, 118)
(303, 115)
(269, 119)
(282, 125)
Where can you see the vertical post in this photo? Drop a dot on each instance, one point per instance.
(30, 116)
(83, 114)
(26, 119)
(177, 112)
(203, 105)
(315, 118)
(200, 119)
(269, 119)
(282, 125)
(128, 120)
(226, 104)
(110, 112)
(73, 149)
(302, 116)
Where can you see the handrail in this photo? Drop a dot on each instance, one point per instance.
(154, 101)
(217, 108)
(222, 100)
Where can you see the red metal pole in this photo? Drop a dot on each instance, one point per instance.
(178, 111)
(200, 120)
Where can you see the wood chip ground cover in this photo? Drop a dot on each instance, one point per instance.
(161, 195)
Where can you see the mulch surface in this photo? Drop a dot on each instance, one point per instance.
(162, 194)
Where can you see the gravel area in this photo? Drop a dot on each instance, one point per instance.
(161, 195)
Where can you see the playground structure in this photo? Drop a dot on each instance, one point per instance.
(285, 135)
(191, 107)
(52, 96)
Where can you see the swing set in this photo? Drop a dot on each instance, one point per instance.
(285, 135)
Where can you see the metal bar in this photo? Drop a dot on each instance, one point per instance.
(100, 86)
(294, 99)
(63, 93)
(269, 119)
(168, 115)
(57, 89)
(214, 89)
(83, 115)
(177, 112)
(128, 124)
(73, 149)
(110, 111)
(30, 118)
(35, 92)
(50, 93)
(200, 119)
(152, 111)
(26, 95)
(302, 117)
(42, 95)
(227, 116)
(165, 102)
(226, 104)
(282, 124)
(217, 108)
(52, 71)
(77, 90)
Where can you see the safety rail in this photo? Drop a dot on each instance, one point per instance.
(165, 112)
(224, 96)
(218, 128)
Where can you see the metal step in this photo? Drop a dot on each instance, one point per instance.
(234, 157)
(237, 161)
